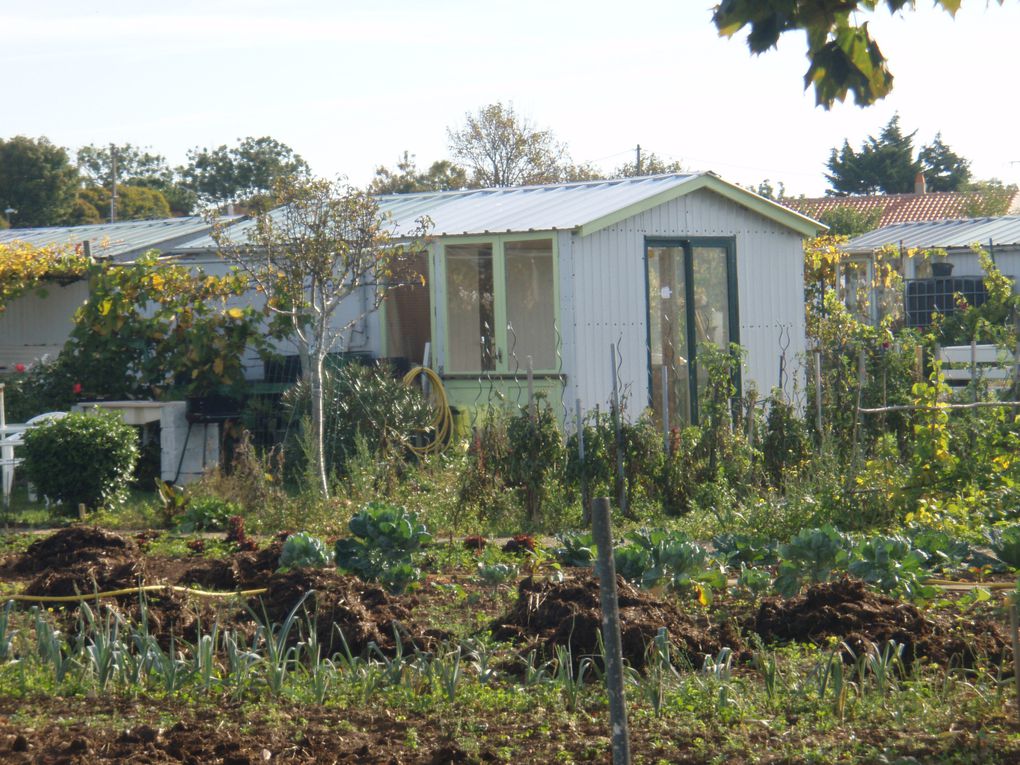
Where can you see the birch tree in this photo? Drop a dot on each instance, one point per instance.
(326, 243)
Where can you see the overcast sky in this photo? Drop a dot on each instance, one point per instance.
(350, 84)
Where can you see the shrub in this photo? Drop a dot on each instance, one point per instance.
(207, 514)
(302, 550)
(481, 486)
(84, 458)
(385, 541)
(364, 403)
(598, 475)
(786, 443)
(536, 450)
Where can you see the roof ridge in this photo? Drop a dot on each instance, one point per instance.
(539, 186)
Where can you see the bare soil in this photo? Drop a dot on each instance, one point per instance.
(545, 614)
(549, 614)
(861, 619)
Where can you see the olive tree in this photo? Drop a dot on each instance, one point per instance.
(327, 242)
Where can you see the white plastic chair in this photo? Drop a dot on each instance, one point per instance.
(16, 437)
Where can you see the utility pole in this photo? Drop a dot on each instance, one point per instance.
(638, 159)
(113, 183)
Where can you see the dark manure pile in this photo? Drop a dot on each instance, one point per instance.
(81, 559)
(76, 545)
(339, 604)
(865, 620)
(549, 614)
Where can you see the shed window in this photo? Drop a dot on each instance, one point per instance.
(470, 309)
(501, 305)
(530, 304)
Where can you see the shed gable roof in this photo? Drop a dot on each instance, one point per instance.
(585, 207)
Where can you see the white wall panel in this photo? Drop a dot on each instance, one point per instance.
(610, 302)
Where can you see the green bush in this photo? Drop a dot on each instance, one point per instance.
(535, 454)
(598, 474)
(84, 458)
(362, 404)
(207, 514)
(786, 445)
(302, 550)
(384, 543)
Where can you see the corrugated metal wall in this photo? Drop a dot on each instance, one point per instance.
(609, 302)
(33, 326)
(366, 336)
(965, 262)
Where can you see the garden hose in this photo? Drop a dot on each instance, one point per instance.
(941, 583)
(442, 423)
(971, 584)
(131, 591)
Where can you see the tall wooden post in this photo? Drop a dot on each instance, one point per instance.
(617, 427)
(611, 631)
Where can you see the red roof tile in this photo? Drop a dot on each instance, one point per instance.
(896, 208)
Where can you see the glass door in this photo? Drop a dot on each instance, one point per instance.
(691, 302)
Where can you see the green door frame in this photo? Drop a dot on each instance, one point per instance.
(687, 245)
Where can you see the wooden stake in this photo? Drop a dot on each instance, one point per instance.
(619, 432)
(1014, 623)
(941, 407)
(665, 411)
(531, 390)
(818, 394)
(611, 632)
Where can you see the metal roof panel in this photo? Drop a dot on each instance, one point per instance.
(120, 241)
(945, 234)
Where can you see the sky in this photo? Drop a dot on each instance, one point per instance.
(351, 84)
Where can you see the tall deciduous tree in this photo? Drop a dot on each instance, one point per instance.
(843, 57)
(327, 243)
(37, 180)
(133, 203)
(503, 148)
(651, 164)
(406, 178)
(246, 173)
(135, 167)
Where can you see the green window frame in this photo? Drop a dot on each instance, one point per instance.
(503, 354)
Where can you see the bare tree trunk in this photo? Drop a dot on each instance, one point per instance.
(317, 422)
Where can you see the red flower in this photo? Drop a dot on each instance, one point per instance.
(76, 388)
(19, 367)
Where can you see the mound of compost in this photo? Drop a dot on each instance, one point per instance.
(362, 612)
(100, 575)
(549, 614)
(74, 546)
(254, 569)
(862, 619)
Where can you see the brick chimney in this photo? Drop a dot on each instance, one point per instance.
(920, 187)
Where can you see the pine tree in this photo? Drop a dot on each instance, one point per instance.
(943, 168)
(883, 165)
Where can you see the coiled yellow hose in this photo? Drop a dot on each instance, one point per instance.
(442, 424)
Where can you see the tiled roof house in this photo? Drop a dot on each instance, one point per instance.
(920, 206)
